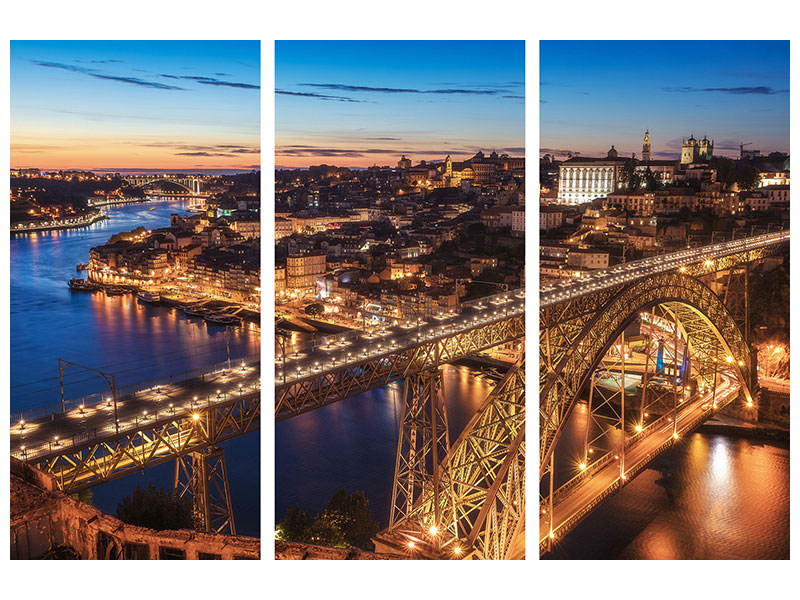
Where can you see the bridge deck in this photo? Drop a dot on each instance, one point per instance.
(336, 351)
(59, 433)
(638, 269)
(578, 498)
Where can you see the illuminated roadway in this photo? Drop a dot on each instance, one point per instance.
(583, 493)
(639, 269)
(336, 351)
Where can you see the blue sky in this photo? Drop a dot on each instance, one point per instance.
(595, 94)
(177, 105)
(362, 103)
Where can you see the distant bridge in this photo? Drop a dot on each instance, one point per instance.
(191, 183)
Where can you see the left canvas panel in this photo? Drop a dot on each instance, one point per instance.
(135, 295)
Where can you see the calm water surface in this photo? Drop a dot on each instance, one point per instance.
(119, 335)
(711, 497)
(352, 444)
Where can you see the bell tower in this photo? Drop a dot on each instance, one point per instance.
(646, 147)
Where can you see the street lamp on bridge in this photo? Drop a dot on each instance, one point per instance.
(110, 380)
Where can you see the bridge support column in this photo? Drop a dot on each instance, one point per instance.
(423, 443)
(203, 474)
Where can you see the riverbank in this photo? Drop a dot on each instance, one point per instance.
(56, 226)
(735, 427)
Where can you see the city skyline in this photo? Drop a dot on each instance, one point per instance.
(595, 94)
(356, 104)
(135, 105)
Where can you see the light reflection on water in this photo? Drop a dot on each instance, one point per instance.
(729, 499)
(119, 335)
(353, 443)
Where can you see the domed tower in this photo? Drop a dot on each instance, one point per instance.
(646, 147)
(448, 166)
(706, 149)
(613, 152)
(689, 151)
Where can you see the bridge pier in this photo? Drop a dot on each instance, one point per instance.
(423, 442)
(204, 476)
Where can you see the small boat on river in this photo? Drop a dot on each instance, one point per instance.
(149, 297)
(82, 285)
(223, 319)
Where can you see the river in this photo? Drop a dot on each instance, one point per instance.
(712, 496)
(119, 335)
(352, 444)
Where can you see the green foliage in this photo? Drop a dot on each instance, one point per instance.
(294, 524)
(155, 509)
(769, 304)
(725, 167)
(630, 179)
(747, 177)
(347, 522)
(651, 180)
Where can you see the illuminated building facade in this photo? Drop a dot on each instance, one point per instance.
(582, 179)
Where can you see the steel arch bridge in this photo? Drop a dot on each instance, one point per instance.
(582, 345)
(191, 183)
(453, 501)
(184, 418)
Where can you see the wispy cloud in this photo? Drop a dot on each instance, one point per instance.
(98, 75)
(218, 82)
(304, 150)
(387, 90)
(317, 96)
(759, 90)
(204, 150)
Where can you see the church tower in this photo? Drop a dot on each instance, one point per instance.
(646, 147)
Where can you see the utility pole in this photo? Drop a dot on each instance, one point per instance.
(228, 345)
(675, 373)
(622, 407)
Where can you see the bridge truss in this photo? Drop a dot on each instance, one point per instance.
(190, 438)
(471, 504)
(335, 383)
(702, 344)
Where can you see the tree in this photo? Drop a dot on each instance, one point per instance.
(628, 176)
(651, 180)
(347, 522)
(354, 517)
(747, 177)
(294, 524)
(155, 509)
(726, 169)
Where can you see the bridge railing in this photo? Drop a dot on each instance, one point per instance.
(609, 456)
(656, 264)
(95, 399)
(106, 432)
(353, 336)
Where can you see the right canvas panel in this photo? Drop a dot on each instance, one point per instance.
(664, 300)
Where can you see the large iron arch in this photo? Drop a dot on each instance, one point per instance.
(560, 390)
(143, 184)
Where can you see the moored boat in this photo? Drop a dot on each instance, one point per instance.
(195, 311)
(147, 296)
(81, 285)
(114, 290)
(222, 319)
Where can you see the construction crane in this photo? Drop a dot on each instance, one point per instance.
(741, 149)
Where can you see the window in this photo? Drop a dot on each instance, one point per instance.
(133, 551)
(168, 553)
